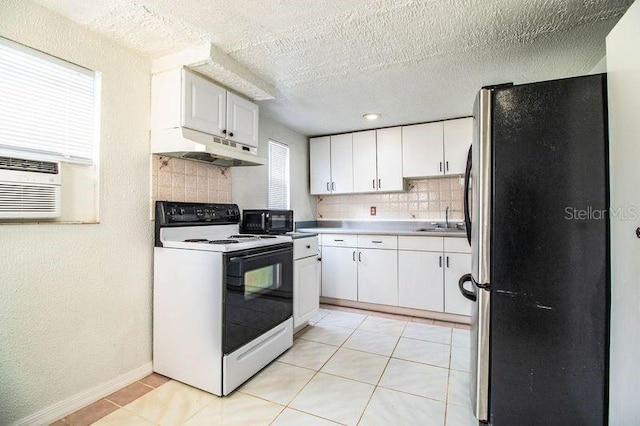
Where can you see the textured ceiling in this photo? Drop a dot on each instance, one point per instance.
(333, 60)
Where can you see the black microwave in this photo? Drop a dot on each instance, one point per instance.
(267, 221)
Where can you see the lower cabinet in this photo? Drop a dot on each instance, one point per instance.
(420, 280)
(339, 272)
(413, 272)
(306, 281)
(378, 276)
(456, 265)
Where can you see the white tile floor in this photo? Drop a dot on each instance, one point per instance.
(345, 368)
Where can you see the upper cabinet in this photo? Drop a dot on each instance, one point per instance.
(180, 98)
(458, 135)
(331, 164)
(422, 150)
(377, 160)
(436, 149)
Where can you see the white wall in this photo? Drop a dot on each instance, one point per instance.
(75, 300)
(623, 68)
(250, 185)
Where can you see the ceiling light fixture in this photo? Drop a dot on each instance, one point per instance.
(371, 116)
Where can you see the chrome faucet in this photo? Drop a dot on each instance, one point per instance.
(446, 216)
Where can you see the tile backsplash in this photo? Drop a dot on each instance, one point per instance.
(425, 199)
(174, 179)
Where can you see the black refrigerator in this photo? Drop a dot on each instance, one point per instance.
(537, 212)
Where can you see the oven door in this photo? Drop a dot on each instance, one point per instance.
(258, 293)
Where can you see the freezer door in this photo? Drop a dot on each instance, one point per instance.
(478, 212)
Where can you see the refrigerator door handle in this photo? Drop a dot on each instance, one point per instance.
(467, 179)
(466, 278)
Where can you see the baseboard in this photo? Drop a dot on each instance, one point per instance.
(439, 316)
(65, 407)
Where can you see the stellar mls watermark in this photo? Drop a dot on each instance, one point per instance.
(590, 213)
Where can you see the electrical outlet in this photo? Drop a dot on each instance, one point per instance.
(372, 210)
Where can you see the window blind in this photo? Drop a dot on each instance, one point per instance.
(47, 106)
(278, 176)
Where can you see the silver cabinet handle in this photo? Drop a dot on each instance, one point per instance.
(440, 261)
(379, 183)
(376, 242)
(447, 164)
(359, 256)
(333, 186)
(338, 241)
(447, 261)
(373, 183)
(441, 166)
(354, 255)
(328, 187)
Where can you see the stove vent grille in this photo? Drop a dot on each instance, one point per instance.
(29, 189)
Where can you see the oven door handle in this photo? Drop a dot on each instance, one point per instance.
(269, 253)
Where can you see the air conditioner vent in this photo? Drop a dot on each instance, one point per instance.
(12, 163)
(29, 189)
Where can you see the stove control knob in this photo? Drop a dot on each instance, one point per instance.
(181, 211)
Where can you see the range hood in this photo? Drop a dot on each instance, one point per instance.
(188, 144)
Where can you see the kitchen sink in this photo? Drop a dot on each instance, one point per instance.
(439, 230)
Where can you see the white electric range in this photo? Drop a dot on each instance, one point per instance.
(222, 301)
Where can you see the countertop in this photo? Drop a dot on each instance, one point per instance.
(302, 234)
(382, 231)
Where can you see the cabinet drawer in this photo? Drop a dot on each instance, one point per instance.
(420, 243)
(305, 247)
(378, 241)
(339, 240)
(456, 245)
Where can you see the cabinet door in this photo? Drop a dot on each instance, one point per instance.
(422, 151)
(339, 273)
(420, 280)
(342, 164)
(456, 265)
(457, 140)
(389, 159)
(242, 120)
(306, 299)
(320, 165)
(364, 161)
(203, 104)
(378, 276)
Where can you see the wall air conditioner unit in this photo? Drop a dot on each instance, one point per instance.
(29, 189)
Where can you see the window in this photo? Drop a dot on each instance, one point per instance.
(48, 107)
(278, 176)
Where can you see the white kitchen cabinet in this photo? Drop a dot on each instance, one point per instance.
(422, 150)
(456, 265)
(377, 160)
(181, 98)
(204, 107)
(306, 296)
(389, 159)
(342, 163)
(458, 135)
(320, 165)
(420, 276)
(331, 164)
(378, 276)
(339, 272)
(242, 120)
(365, 175)
(436, 149)
(428, 272)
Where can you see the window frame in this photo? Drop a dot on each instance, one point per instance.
(272, 142)
(7, 149)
